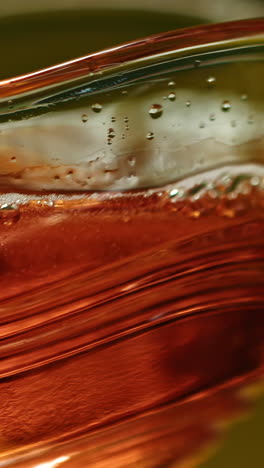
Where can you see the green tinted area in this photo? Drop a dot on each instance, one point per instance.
(242, 444)
(35, 41)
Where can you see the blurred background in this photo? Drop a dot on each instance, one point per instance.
(36, 34)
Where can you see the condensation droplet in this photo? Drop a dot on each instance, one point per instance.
(124, 92)
(126, 120)
(150, 136)
(244, 97)
(250, 120)
(172, 96)
(226, 106)
(84, 118)
(233, 123)
(188, 103)
(155, 111)
(127, 127)
(113, 119)
(202, 125)
(13, 159)
(10, 104)
(212, 117)
(111, 133)
(171, 83)
(97, 107)
(210, 81)
(197, 63)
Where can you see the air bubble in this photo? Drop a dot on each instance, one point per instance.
(255, 181)
(9, 214)
(131, 161)
(188, 103)
(174, 192)
(150, 136)
(84, 118)
(210, 81)
(171, 83)
(155, 111)
(111, 133)
(172, 96)
(97, 107)
(226, 106)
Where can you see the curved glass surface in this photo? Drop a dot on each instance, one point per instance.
(131, 248)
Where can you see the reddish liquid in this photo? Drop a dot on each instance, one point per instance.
(116, 313)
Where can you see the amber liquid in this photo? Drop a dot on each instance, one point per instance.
(129, 324)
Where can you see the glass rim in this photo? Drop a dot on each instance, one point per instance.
(177, 41)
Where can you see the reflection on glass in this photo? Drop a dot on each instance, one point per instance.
(131, 233)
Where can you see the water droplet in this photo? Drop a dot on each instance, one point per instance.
(113, 119)
(202, 125)
(212, 117)
(126, 120)
(124, 92)
(226, 106)
(172, 96)
(84, 118)
(250, 120)
(10, 104)
(150, 136)
(188, 103)
(210, 81)
(171, 83)
(233, 123)
(111, 133)
(97, 107)
(244, 97)
(13, 159)
(155, 111)
(127, 127)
